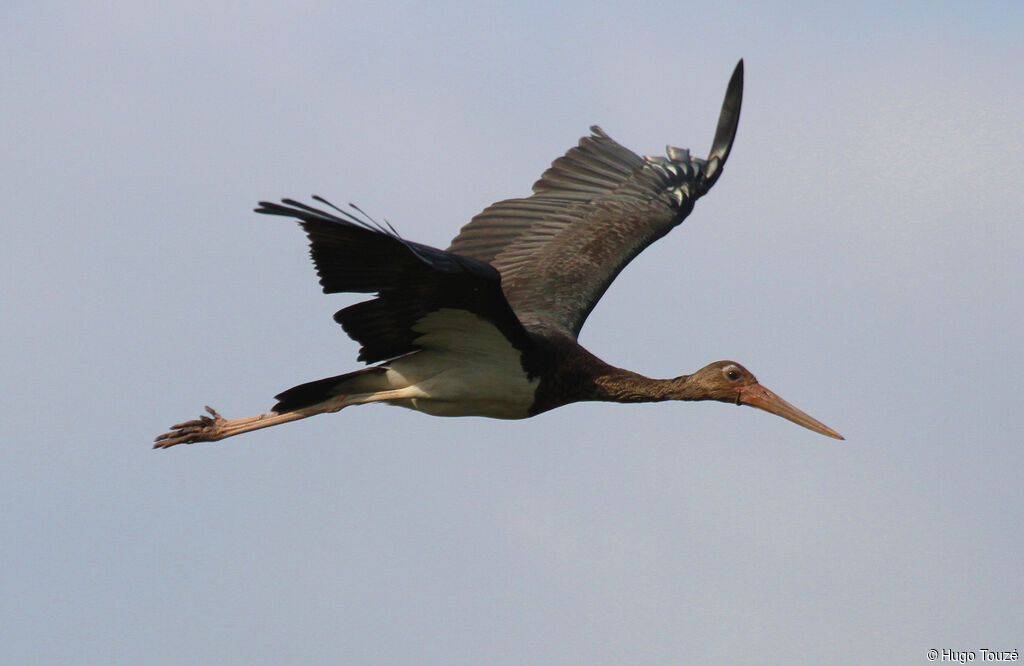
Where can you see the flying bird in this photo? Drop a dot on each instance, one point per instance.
(488, 327)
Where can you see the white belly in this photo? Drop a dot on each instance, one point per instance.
(467, 368)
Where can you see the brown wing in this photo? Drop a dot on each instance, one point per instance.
(592, 211)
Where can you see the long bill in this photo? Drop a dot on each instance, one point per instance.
(760, 397)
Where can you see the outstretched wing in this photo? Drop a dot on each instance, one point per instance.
(411, 280)
(596, 208)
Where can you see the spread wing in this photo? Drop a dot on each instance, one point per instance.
(412, 281)
(592, 211)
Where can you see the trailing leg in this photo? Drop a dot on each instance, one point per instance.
(299, 402)
(214, 427)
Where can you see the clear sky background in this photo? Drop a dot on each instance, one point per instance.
(862, 255)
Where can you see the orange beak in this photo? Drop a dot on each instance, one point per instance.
(758, 396)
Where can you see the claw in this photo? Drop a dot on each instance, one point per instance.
(203, 429)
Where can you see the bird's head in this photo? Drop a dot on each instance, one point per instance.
(728, 381)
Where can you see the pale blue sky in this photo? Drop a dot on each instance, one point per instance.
(861, 254)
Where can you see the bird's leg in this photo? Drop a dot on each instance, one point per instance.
(214, 427)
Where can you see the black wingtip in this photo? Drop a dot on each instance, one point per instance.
(287, 208)
(729, 119)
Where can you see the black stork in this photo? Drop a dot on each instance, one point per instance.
(488, 327)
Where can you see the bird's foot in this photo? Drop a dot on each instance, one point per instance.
(204, 429)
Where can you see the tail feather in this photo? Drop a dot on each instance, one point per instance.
(367, 380)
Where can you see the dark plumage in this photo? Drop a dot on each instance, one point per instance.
(488, 327)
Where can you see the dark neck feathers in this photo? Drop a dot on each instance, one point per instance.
(573, 374)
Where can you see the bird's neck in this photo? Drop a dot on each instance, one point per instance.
(618, 385)
(576, 375)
